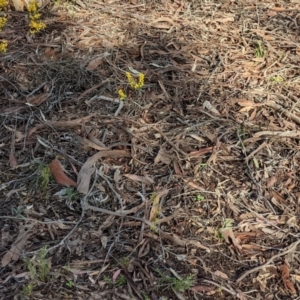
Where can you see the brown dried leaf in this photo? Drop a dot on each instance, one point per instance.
(163, 157)
(201, 152)
(89, 144)
(155, 205)
(145, 179)
(211, 108)
(12, 160)
(285, 272)
(202, 288)
(94, 63)
(271, 181)
(88, 168)
(63, 124)
(60, 177)
(228, 234)
(38, 99)
(14, 109)
(18, 134)
(221, 274)
(16, 248)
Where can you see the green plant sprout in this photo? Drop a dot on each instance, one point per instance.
(41, 178)
(218, 235)
(123, 261)
(277, 79)
(28, 289)
(70, 283)
(178, 284)
(120, 281)
(259, 51)
(199, 198)
(72, 194)
(38, 266)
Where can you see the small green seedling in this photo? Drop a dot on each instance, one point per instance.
(69, 283)
(124, 262)
(199, 198)
(277, 79)
(38, 266)
(259, 51)
(218, 235)
(120, 281)
(179, 284)
(41, 178)
(202, 165)
(28, 289)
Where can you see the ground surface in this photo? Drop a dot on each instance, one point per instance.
(188, 189)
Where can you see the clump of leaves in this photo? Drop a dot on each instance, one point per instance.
(28, 289)
(259, 51)
(199, 198)
(35, 23)
(178, 284)
(41, 177)
(70, 283)
(124, 261)
(120, 281)
(38, 266)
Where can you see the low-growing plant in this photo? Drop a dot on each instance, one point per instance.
(70, 283)
(259, 51)
(178, 284)
(277, 79)
(38, 266)
(28, 289)
(120, 281)
(41, 177)
(199, 198)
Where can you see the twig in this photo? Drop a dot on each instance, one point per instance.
(221, 287)
(268, 263)
(37, 221)
(284, 111)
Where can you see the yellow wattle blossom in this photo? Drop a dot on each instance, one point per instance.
(122, 95)
(3, 3)
(3, 46)
(35, 23)
(36, 26)
(3, 21)
(136, 85)
(32, 7)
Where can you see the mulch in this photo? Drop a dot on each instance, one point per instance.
(188, 188)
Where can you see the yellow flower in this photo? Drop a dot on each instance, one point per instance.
(3, 46)
(3, 3)
(141, 80)
(32, 7)
(136, 85)
(35, 16)
(36, 26)
(3, 21)
(122, 95)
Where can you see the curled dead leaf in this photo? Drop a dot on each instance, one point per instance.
(60, 177)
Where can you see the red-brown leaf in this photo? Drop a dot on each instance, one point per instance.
(60, 177)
